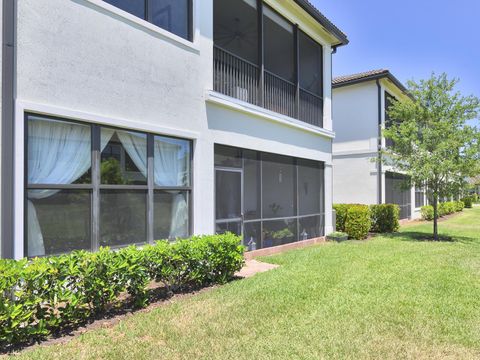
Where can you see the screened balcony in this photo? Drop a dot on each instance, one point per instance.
(261, 58)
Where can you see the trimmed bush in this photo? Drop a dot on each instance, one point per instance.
(341, 213)
(468, 201)
(358, 222)
(459, 205)
(385, 218)
(427, 212)
(44, 295)
(449, 207)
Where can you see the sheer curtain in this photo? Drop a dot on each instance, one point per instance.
(171, 169)
(58, 153)
(136, 147)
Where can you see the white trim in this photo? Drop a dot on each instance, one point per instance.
(242, 106)
(346, 153)
(26, 106)
(166, 35)
(18, 185)
(22, 107)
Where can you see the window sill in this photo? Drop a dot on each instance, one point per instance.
(145, 25)
(239, 105)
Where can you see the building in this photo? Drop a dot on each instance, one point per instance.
(359, 112)
(129, 121)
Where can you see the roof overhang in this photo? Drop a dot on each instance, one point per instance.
(370, 76)
(329, 27)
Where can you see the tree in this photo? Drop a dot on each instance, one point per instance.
(432, 141)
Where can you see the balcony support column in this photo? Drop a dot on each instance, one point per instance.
(296, 35)
(261, 55)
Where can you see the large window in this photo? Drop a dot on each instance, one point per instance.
(174, 16)
(270, 199)
(91, 186)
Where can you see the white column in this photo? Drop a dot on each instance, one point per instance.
(203, 187)
(412, 207)
(328, 176)
(327, 88)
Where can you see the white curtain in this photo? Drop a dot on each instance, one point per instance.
(170, 169)
(58, 153)
(136, 147)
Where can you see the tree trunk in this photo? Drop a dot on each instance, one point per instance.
(435, 217)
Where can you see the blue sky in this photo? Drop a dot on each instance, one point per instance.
(411, 38)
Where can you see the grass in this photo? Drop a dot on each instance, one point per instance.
(391, 297)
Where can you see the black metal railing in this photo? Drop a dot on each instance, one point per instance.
(311, 108)
(243, 80)
(235, 77)
(279, 95)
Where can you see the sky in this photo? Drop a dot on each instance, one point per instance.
(411, 38)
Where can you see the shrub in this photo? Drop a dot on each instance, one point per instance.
(449, 207)
(41, 296)
(460, 205)
(341, 213)
(358, 221)
(385, 218)
(427, 212)
(468, 201)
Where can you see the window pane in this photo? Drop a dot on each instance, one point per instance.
(252, 236)
(227, 156)
(134, 7)
(228, 198)
(171, 15)
(124, 157)
(236, 27)
(251, 185)
(234, 227)
(170, 215)
(171, 161)
(309, 187)
(122, 217)
(59, 152)
(279, 232)
(58, 221)
(279, 45)
(278, 185)
(310, 64)
(310, 227)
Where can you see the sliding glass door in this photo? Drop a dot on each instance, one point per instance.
(228, 203)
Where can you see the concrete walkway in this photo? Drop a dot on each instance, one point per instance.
(253, 267)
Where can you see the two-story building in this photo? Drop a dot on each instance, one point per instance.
(128, 121)
(360, 103)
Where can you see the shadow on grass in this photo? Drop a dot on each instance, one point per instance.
(418, 236)
(157, 295)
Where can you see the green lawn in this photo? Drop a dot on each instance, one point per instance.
(387, 298)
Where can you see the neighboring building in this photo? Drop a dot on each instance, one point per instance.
(128, 121)
(359, 112)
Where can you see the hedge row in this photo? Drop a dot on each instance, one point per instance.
(445, 208)
(358, 220)
(45, 295)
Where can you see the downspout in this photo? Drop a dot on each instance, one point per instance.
(8, 117)
(379, 143)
